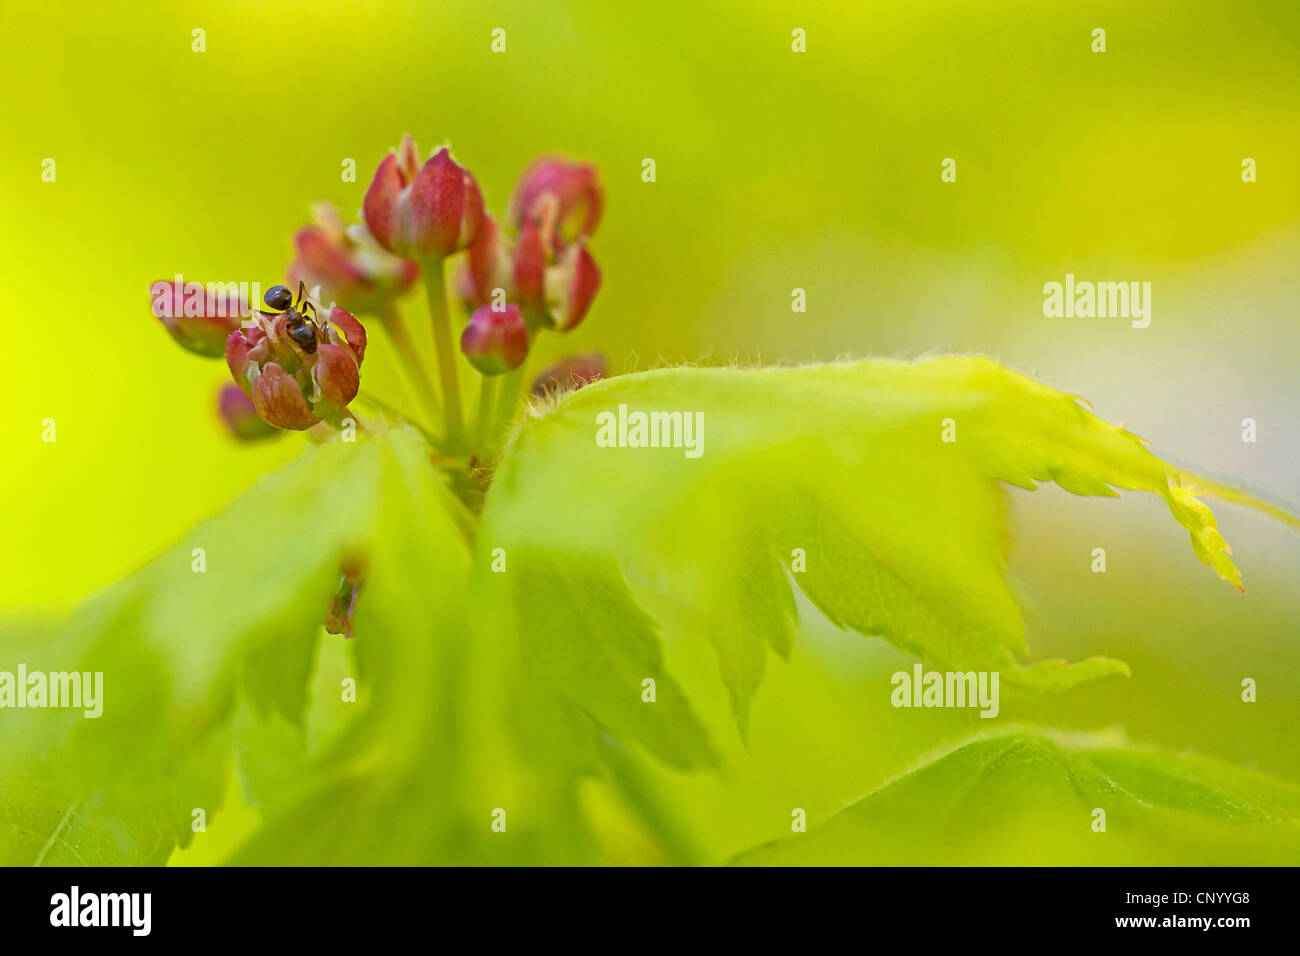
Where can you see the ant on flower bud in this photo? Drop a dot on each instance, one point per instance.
(301, 329)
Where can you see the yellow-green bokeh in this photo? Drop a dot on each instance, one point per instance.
(775, 170)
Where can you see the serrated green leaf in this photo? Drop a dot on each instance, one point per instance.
(903, 533)
(49, 817)
(432, 754)
(414, 777)
(271, 759)
(1032, 796)
(173, 644)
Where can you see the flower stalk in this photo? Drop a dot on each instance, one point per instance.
(410, 359)
(484, 428)
(296, 363)
(436, 291)
(512, 387)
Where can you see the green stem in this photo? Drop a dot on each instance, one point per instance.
(435, 289)
(487, 406)
(410, 359)
(461, 513)
(508, 399)
(397, 415)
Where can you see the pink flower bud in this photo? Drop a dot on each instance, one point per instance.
(487, 267)
(570, 372)
(298, 369)
(278, 398)
(495, 342)
(565, 198)
(529, 273)
(239, 415)
(348, 264)
(240, 362)
(571, 285)
(337, 375)
(198, 319)
(434, 212)
(353, 331)
(462, 287)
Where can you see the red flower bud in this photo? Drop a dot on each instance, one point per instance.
(495, 342)
(462, 287)
(565, 198)
(337, 375)
(241, 364)
(570, 372)
(348, 264)
(529, 273)
(353, 331)
(295, 383)
(433, 212)
(278, 398)
(239, 415)
(197, 319)
(487, 267)
(571, 284)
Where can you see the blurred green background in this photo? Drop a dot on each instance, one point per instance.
(775, 170)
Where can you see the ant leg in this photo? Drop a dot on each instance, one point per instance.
(304, 303)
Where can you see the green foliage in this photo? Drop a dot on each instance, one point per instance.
(904, 533)
(121, 789)
(480, 691)
(1028, 796)
(173, 646)
(416, 775)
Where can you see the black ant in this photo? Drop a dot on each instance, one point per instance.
(302, 329)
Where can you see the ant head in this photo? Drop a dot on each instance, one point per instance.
(278, 297)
